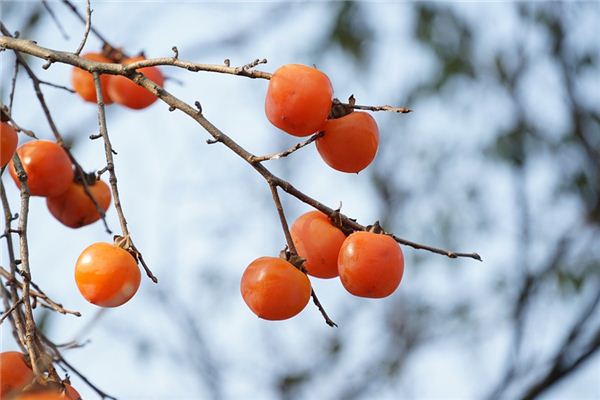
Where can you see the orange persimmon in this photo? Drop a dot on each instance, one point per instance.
(51, 394)
(349, 143)
(298, 99)
(274, 289)
(75, 209)
(370, 264)
(318, 241)
(8, 143)
(125, 92)
(83, 81)
(107, 275)
(14, 372)
(48, 167)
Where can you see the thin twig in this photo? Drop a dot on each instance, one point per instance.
(57, 86)
(400, 110)
(283, 219)
(83, 19)
(38, 293)
(13, 85)
(88, 25)
(10, 310)
(57, 355)
(110, 166)
(287, 152)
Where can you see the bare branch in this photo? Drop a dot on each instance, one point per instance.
(30, 329)
(88, 25)
(110, 166)
(287, 152)
(10, 310)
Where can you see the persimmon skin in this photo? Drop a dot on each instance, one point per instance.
(107, 275)
(298, 99)
(127, 93)
(349, 143)
(83, 81)
(370, 265)
(48, 167)
(68, 394)
(75, 209)
(318, 241)
(274, 289)
(14, 372)
(8, 143)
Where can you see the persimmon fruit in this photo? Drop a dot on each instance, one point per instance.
(68, 394)
(298, 99)
(127, 93)
(75, 209)
(48, 167)
(349, 143)
(274, 289)
(8, 143)
(107, 275)
(83, 81)
(14, 372)
(370, 264)
(318, 241)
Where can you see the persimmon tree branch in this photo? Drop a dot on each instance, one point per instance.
(88, 25)
(12, 296)
(83, 19)
(110, 167)
(38, 294)
(287, 152)
(174, 103)
(30, 330)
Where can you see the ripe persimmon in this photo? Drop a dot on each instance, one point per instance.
(274, 289)
(318, 241)
(83, 81)
(298, 99)
(125, 92)
(370, 264)
(349, 143)
(48, 167)
(74, 208)
(14, 372)
(107, 275)
(8, 143)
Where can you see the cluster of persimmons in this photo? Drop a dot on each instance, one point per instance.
(369, 264)
(299, 101)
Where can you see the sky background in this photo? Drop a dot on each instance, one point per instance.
(200, 215)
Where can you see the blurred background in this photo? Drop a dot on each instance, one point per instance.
(501, 156)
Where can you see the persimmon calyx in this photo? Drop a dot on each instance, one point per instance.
(89, 178)
(375, 228)
(293, 259)
(123, 242)
(339, 109)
